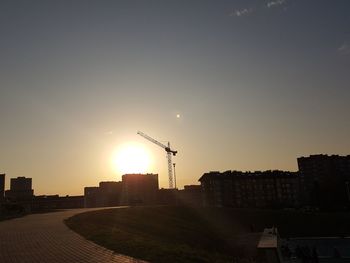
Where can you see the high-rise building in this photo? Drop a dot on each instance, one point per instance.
(2, 186)
(20, 189)
(251, 189)
(327, 180)
(140, 189)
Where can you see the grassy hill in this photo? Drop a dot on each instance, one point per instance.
(182, 234)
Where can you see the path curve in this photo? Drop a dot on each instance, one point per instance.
(45, 238)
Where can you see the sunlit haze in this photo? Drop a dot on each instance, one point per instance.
(131, 158)
(232, 85)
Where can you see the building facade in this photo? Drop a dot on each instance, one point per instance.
(267, 189)
(326, 179)
(140, 189)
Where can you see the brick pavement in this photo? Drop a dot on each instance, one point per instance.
(45, 238)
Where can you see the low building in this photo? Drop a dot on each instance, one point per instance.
(168, 196)
(20, 189)
(191, 195)
(267, 189)
(140, 189)
(48, 202)
(2, 186)
(91, 196)
(107, 194)
(110, 193)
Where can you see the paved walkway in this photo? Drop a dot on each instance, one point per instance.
(45, 238)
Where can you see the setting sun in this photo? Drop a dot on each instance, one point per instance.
(131, 158)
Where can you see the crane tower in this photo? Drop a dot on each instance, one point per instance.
(169, 153)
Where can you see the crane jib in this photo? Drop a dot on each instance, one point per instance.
(169, 152)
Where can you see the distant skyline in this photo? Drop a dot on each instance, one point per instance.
(256, 84)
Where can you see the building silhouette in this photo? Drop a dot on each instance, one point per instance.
(48, 202)
(106, 194)
(20, 189)
(140, 189)
(267, 189)
(134, 189)
(111, 193)
(326, 180)
(168, 196)
(91, 196)
(191, 195)
(2, 187)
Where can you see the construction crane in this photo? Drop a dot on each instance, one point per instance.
(169, 153)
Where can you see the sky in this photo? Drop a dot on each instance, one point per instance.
(256, 83)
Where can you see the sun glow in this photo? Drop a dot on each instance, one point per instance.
(131, 158)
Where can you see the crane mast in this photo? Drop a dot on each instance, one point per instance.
(169, 153)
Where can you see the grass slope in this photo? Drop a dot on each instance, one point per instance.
(180, 234)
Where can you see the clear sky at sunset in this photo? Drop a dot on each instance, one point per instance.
(256, 83)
